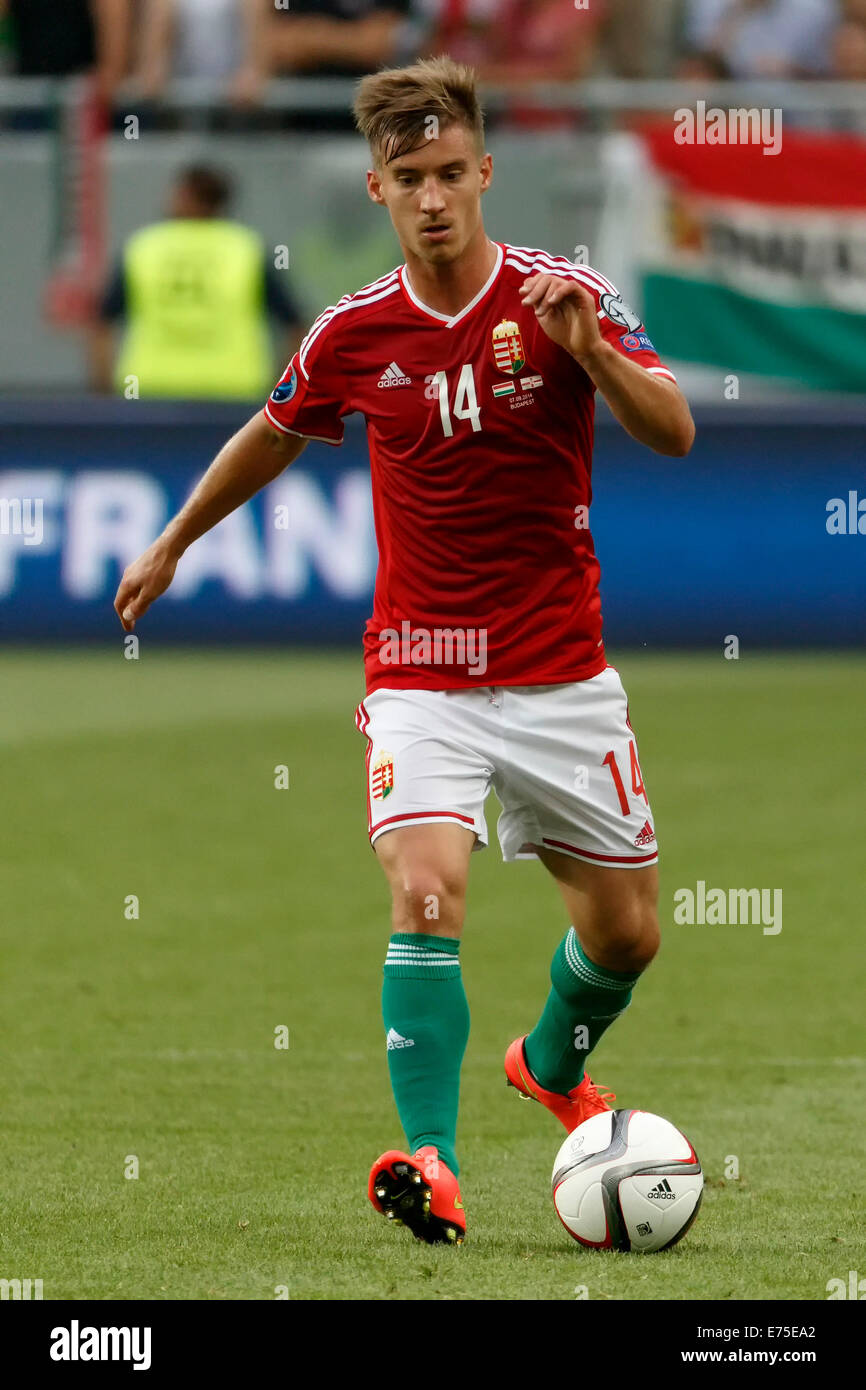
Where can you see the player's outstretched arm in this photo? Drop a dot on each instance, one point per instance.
(250, 460)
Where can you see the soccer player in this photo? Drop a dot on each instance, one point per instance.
(475, 365)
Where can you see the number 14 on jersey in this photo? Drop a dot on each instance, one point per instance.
(466, 405)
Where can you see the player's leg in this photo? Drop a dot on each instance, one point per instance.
(613, 937)
(573, 793)
(424, 1006)
(427, 782)
(426, 1019)
(427, 868)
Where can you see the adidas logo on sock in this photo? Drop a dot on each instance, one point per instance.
(394, 376)
(395, 1039)
(664, 1192)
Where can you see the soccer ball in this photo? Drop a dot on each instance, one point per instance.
(627, 1180)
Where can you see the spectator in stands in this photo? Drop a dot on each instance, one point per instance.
(223, 40)
(50, 39)
(339, 37)
(195, 293)
(518, 41)
(849, 51)
(703, 67)
(759, 38)
(639, 38)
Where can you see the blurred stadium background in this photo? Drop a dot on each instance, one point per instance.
(751, 271)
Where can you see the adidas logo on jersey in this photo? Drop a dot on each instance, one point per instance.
(395, 1039)
(663, 1193)
(394, 376)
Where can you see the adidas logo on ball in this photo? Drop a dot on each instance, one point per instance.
(664, 1191)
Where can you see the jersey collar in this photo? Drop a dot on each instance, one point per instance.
(449, 320)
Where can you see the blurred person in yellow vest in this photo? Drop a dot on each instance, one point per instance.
(195, 293)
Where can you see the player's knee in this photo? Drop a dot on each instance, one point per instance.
(428, 899)
(632, 938)
(646, 941)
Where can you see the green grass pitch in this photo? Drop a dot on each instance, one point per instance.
(153, 1038)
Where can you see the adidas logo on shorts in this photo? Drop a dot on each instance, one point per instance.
(646, 836)
(395, 1039)
(394, 376)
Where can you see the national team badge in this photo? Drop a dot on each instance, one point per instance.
(508, 351)
(382, 778)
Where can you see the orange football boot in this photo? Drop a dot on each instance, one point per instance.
(571, 1110)
(421, 1193)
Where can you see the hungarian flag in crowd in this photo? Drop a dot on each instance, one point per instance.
(756, 262)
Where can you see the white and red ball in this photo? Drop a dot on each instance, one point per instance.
(627, 1180)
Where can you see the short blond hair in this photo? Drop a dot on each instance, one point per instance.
(393, 107)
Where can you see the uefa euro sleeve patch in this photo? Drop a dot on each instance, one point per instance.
(285, 389)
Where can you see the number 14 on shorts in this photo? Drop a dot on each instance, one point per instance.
(637, 785)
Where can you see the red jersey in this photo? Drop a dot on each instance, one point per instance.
(480, 432)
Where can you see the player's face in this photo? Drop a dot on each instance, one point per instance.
(434, 194)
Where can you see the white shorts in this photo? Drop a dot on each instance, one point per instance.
(562, 760)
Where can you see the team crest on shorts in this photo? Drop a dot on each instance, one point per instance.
(508, 351)
(382, 778)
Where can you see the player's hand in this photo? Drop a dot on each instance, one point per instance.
(143, 581)
(566, 311)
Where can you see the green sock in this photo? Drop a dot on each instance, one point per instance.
(427, 1024)
(584, 1001)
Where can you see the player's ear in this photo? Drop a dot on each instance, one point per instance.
(486, 172)
(374, 187)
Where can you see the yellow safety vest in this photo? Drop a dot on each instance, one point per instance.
(195, 307)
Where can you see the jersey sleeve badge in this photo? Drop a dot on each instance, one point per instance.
(284, 390)
(636, 342)
(614, 308)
